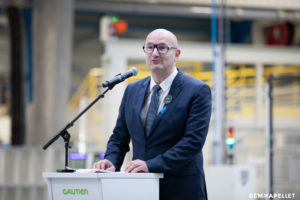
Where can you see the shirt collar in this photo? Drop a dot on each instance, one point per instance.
(166, 84)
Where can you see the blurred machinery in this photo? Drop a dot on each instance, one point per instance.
(240, 180)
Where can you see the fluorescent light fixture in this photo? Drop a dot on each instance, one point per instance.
(200, 10)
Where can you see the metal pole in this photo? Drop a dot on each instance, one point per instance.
(17, 107)
(218, 82)
(269, 137)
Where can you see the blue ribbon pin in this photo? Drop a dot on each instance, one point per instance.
(163, 110)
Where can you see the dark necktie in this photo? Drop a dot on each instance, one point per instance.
(152, 111)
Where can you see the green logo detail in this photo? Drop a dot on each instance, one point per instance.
(69, 191)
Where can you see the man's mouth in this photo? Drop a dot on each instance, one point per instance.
(156, 61)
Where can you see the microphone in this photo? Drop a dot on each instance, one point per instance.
(120, 77)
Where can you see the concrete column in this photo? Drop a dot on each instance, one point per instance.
(52, 38)
(114, 64)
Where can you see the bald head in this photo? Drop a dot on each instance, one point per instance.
(163, 34)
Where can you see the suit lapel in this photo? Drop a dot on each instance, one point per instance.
(141, 93)
(175, 89)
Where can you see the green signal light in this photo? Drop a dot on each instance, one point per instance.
(114, 19)
(230, 141)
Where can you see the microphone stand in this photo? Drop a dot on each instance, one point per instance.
(66, 135)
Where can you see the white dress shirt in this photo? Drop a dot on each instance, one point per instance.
(165, 88)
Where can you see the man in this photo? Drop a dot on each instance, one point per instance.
(167, 117)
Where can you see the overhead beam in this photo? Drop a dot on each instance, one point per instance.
(139, 8)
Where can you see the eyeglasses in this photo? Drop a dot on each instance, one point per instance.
(162, 48)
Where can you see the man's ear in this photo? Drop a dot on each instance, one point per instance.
(177, 54)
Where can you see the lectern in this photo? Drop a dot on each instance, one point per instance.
(103, 186)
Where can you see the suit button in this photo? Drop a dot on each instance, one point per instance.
(146, 148)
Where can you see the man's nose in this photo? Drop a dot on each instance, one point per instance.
(155, 52)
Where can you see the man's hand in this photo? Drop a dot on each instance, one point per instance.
(104, 165)
(136, 166)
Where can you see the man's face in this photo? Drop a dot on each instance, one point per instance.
(157, 61)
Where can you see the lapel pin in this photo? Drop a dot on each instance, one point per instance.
(168, 99)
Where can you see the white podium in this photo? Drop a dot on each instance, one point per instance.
(103, 186)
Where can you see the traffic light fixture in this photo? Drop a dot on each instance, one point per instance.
(112, 26)
(230, 139)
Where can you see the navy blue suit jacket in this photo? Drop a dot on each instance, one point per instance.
(174, 146)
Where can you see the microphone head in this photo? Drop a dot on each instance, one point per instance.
(134, 71)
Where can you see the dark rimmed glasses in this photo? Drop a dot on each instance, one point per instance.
(162, 48)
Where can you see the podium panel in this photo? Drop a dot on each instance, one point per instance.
(103, 186)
